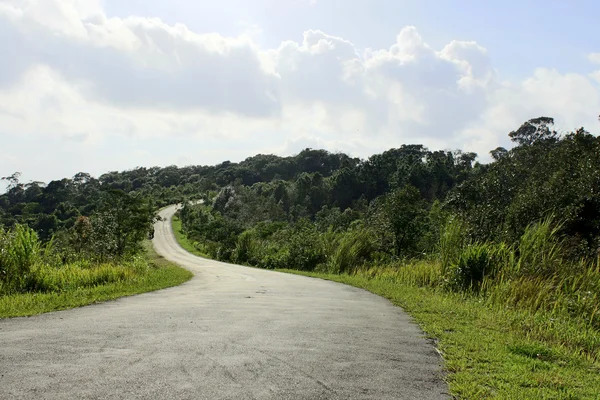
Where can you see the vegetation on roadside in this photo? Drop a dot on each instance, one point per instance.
(150, 274)
(98, 258)
(184, 242)
(36, 283)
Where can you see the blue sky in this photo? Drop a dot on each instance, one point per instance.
(99, 85)
(521, 35)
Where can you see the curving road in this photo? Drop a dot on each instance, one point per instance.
(230, 333)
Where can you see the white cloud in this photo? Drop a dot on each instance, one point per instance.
(594, 58)
(87, 92)
(137, 62)
(572, 99)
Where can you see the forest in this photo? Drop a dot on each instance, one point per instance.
(522, 230)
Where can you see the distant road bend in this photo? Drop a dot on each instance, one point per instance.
(230, 333)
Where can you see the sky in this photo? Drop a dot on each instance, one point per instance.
(103, 85)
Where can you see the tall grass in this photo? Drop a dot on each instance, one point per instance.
(349, 251)
(453, 239)
(20, 251)
(72, 276)
(419, 273)
(532, 275)
(540, 251)
(556, 299)
(28, 266)
(575, 294)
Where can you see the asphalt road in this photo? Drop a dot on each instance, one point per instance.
(230, 333)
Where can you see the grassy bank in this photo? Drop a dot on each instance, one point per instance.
(183, 240)
(490, 349)
(96, 285)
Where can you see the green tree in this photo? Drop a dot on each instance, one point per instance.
(399, 220)
(122, 222)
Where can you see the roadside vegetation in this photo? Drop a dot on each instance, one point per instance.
(79, 285)
(187, 244)
(99, 258)
(498, 262)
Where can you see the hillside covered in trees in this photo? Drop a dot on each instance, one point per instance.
(402, 195)
(544, 174)
(331, 212)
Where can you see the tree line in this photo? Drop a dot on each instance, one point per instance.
(404, 195)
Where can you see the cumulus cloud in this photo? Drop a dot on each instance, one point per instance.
(136, 62)
(107, 93)
(314, 69)
(433, 92)
(409, 89)
(572, 99)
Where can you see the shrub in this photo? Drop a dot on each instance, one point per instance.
(473, 264)
(306, 249)
(244, 251)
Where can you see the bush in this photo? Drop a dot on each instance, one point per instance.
(244, 251)
(473, 264)
(272, 256)
(304, 245)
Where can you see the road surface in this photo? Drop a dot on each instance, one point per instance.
(230, 333)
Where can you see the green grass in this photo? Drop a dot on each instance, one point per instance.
(490, 352)
(183, 240)
(159, 275)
